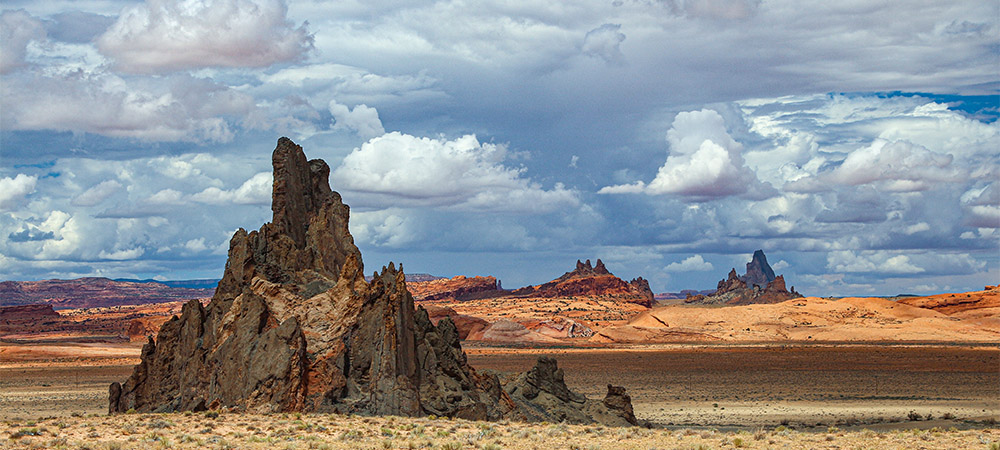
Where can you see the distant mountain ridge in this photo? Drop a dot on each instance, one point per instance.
(190, 284)
(95, 292)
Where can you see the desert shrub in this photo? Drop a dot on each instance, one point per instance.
(913, 416)
(947, 416)
(25, 432)
(451, 446)
(738, 442)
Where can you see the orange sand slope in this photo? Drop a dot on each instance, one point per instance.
(817, 319)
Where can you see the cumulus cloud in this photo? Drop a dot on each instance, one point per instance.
(870, 261)
(705, 163)
(982, 206)
(17, 30)
(691, 264)
(254, 191)
(161, 36)
(176, 108)
(97, 193)
(12, 190)
(363, 120)
(402, 170)
(897, 166)
(604, 42)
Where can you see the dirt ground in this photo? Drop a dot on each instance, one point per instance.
(872, 387)
(864, 386)
(215, 430)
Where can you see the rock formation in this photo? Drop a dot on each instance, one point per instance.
(542, 394)
(757, 285)
(588, 281)
(459, 288)
(35, 312)
(294, 326)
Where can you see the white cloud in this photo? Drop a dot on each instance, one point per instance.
(691, 264)
(781, 264)
(705, 163)
(254, 191)
(363, 119)
(604, 42)
(870, 261)
(12, 190)
(169, 35)
(176, 108)
(122, 255)
(402, 170)
(917, 228)
(898, 166)
(195, 245)
(17, 30)
(166, 197)
(97, 193)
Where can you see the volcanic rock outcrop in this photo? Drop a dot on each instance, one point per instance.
(596, 280)
(542, 395)
(294, 326)
(758, 285)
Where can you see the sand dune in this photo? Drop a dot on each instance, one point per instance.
(805, 319)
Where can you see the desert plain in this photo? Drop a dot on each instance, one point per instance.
(914, 372)
(53, 394)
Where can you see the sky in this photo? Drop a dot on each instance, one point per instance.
(855, 142)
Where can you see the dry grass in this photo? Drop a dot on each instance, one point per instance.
(314, 431)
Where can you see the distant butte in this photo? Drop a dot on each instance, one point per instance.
(588, 280)
(757, 285)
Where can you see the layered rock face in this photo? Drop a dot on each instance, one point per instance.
(27, 312)
(588, 280)
(758, 285)
(294, 326)
(459, 288)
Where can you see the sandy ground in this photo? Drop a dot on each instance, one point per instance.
(767, 385)
(292, 431)
(727, 387)
(807, 319)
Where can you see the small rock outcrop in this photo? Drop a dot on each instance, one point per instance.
(588, 280)
(459, 288)
(758, 285)
(34, 312)
(541, 394)
(294, 326)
